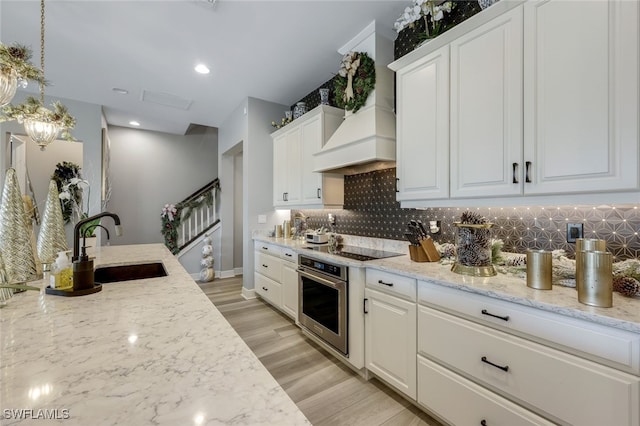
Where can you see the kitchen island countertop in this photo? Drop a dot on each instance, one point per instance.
(624, 315)
(144, 352)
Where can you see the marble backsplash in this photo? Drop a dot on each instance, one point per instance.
(371, 211)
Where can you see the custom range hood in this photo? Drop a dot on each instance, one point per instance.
(366, 140)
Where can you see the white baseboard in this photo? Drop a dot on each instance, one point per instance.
(248, 294)
(225, 274)
(238, 271)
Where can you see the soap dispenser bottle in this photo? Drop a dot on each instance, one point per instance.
(61, 272)
(83, 272)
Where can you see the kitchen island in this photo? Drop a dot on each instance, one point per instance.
(153, 351)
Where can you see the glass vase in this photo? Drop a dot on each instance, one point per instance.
(473, 250)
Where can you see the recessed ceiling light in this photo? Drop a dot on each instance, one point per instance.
(120, 91)
(134, 123)
(202, 69)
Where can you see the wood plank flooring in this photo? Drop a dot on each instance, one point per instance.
(324, 389)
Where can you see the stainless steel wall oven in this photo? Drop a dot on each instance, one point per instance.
(323, 301)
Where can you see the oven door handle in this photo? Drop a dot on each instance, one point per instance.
(321, 280)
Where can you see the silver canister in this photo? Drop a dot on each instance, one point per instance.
(595, 280)
(539, 269)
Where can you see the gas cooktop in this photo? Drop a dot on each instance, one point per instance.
(354, 252)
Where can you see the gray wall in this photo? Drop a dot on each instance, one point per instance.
(247, 130)
(237, 210)
(151, 169)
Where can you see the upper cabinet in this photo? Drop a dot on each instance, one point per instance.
(581, 96)
(295, 185)
(543, 103)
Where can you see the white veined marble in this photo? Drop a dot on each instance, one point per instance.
(152, 351)
(625, 313)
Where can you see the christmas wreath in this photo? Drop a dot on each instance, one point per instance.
(355, 81)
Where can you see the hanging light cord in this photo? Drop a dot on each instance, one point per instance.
(42, 51)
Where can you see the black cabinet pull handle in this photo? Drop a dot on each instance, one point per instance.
(383, 283)
(486, 361)
(527, 169)
(265, 266)
(397, 180)
(364, 306)
(483, 422)
(265, 248)
(265, 289)
(319, 192)
(288, 254)
(504, 318)
(515, 173)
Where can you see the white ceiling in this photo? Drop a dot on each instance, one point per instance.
(273, 50)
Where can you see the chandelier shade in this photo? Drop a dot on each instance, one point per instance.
(8, 85)
(41, 132)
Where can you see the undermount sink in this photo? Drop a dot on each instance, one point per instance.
(112, 274)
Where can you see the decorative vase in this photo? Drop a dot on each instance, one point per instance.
(15, 240)
(51, 238)
(324, 96)
(473, 250)
(486, 3)
(8, 85)
(299, 110)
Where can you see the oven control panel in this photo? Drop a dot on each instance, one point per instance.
(324, 267)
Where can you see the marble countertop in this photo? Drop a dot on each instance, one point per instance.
(144, 352)
(625, 313)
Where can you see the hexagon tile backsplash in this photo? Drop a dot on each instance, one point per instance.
(371, 210)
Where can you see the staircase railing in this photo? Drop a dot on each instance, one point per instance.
(199, 213)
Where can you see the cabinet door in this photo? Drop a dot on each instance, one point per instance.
(422, 146)
(268, 289)
(293, 166)
(390, 340)
(279, 170)
(311, 142)
(581, 95)
(290, 289)
(486, 109)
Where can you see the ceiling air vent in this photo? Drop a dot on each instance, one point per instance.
(166, 99)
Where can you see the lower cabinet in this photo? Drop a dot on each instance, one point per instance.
(459, 401)
(390, 340)
(276, 277)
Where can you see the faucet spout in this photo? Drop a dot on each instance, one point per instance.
(76, 230)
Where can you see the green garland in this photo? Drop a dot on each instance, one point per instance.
(363, 83)
(32, 108)
(170, 224)
(16, 57)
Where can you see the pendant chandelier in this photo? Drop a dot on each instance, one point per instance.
(41, 124)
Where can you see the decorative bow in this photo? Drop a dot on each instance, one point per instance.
(348, 68)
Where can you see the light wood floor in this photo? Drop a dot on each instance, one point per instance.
(324, 389)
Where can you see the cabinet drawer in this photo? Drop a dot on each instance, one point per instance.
(397, 285)
(565, 388)
(436, 385)
(268, 266)
(616, 348)
(289, 255)
(267, 248)
(268, 289)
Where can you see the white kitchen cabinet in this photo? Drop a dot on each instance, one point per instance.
(486, 109)
(581, 96)
(268, 289)
(422, 129)
(290, 283)
(444, 393)
(390, 340)
(295, 185)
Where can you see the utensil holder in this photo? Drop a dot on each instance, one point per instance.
(418, 254)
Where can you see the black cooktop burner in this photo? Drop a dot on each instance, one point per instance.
(356, 253)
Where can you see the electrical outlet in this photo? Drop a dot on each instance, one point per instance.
(262, 218)
(574, 231)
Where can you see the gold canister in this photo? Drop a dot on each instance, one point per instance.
(286, 229)
(539, 269)
(595, 280)
(278, 231)
(586, 244)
